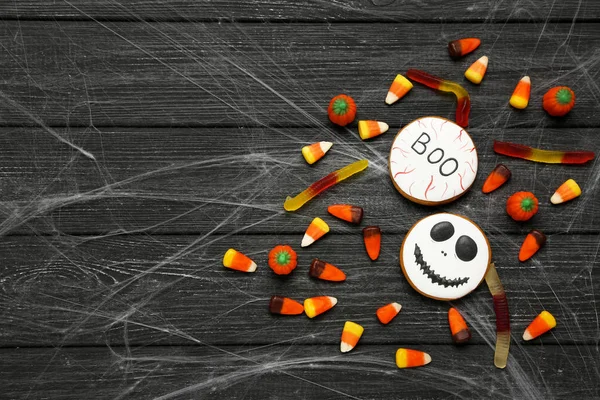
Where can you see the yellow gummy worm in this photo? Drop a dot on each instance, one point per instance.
(502, 316)
(294, 203)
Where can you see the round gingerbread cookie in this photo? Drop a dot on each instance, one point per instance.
(445, 256)
(433, 161)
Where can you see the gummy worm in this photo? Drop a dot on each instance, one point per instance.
(463, 107)
(544, 156)
(294, 203)
(502, 317)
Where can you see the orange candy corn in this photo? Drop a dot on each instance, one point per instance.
(372, 239)
(346, 212)
(285, 306)
(520, 96)
(350, 336)
(533, 242)
(540, 325)
(322, 270)
(314, 152)
(462, 47)
(387, 313)
(567, 191)
(318, 305)
(458, 327)
(399, 88)
(407, 358)
(370, 129)
(477, 70)
(498, 177)
(235, 260)
(315, 230)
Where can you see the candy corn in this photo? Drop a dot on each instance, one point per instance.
(477, 70)
(458, 327)
(318, 305)
(370, 129)
(407, 358)
(315, 230)
(285, 306)
(350, 336)
(399, 88)
(346, 212)
(498, 177)
(567, 191)
(235, 260)
(533, 242)
(540, 325)
(322, 270)
(462, 47)
(387, 313)
(372, 239)
(314, 152)
(520, 96)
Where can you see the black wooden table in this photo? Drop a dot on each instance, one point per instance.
(141, 140)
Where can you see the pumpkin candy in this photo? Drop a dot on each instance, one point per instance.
(521, 206)
(558, 101)
(342, 110)
(282, 259)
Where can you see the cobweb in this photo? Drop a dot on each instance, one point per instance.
(137, 150)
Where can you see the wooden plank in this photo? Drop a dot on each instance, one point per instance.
(296, 10)
(236, 179)
(94, 74)
(146, 290)
(297, 372)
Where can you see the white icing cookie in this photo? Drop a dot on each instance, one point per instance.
(433, 161)
(445, 256)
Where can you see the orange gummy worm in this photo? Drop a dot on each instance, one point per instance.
(294, 203)
(463, 107)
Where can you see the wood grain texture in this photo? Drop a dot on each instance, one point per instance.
(112, 284)
(155, 180)
(157, 74)
(174, 290)
(298, 372)
(301, 10)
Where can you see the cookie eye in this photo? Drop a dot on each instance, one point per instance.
(442, 231)
(466, 248)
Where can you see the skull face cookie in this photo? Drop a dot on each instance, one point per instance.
(433, 161)
(445, 256)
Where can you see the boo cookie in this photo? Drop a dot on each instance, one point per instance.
(445, 256)
(433, 161)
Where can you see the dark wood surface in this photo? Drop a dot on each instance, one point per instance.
(140, 141)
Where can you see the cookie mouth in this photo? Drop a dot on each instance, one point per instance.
(433, 277)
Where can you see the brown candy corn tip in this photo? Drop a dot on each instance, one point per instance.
(372, 239)
(458, 327)
(498, 177)
(462, 47)
(325, 271)
(532, 243)
(285, 306)
(346, 212)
